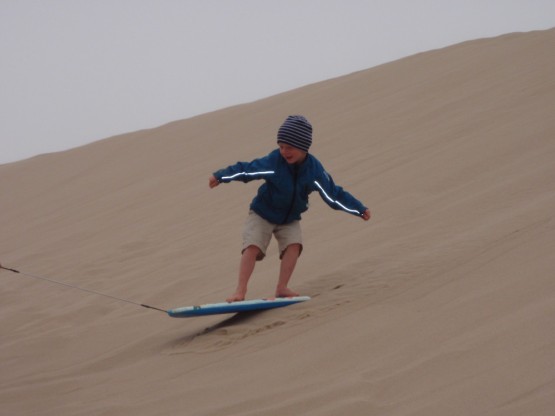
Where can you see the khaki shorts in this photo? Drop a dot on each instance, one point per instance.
(258, 232)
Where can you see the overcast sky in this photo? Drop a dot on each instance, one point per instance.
(77, 71)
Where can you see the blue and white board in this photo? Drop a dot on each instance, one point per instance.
(234, 307)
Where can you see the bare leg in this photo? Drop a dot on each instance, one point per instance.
(288, 263)
(246, 267)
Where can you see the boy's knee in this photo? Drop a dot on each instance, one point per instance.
(295, 248)
(254, 251)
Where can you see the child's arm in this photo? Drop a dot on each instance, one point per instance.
(337, 198)
(245, 171)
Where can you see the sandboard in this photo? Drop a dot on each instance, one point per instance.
(234, 307)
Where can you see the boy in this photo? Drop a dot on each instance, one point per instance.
(290, 174)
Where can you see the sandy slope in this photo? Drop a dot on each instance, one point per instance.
(443, 304)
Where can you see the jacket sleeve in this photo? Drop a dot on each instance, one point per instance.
(247, 171)
(336, 197)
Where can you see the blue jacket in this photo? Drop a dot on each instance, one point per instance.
(284, 195)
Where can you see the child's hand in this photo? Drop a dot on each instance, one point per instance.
(366, 215)
(213, 182)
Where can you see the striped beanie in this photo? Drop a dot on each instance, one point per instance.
(297, 132)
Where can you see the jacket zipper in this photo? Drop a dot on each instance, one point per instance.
(295, 174)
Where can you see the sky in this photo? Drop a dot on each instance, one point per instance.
(77, 71)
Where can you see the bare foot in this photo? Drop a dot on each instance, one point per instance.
(285, 293)
(237, 297)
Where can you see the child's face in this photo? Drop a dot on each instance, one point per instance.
(291, 154)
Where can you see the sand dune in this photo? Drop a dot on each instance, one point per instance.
(443, 304)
